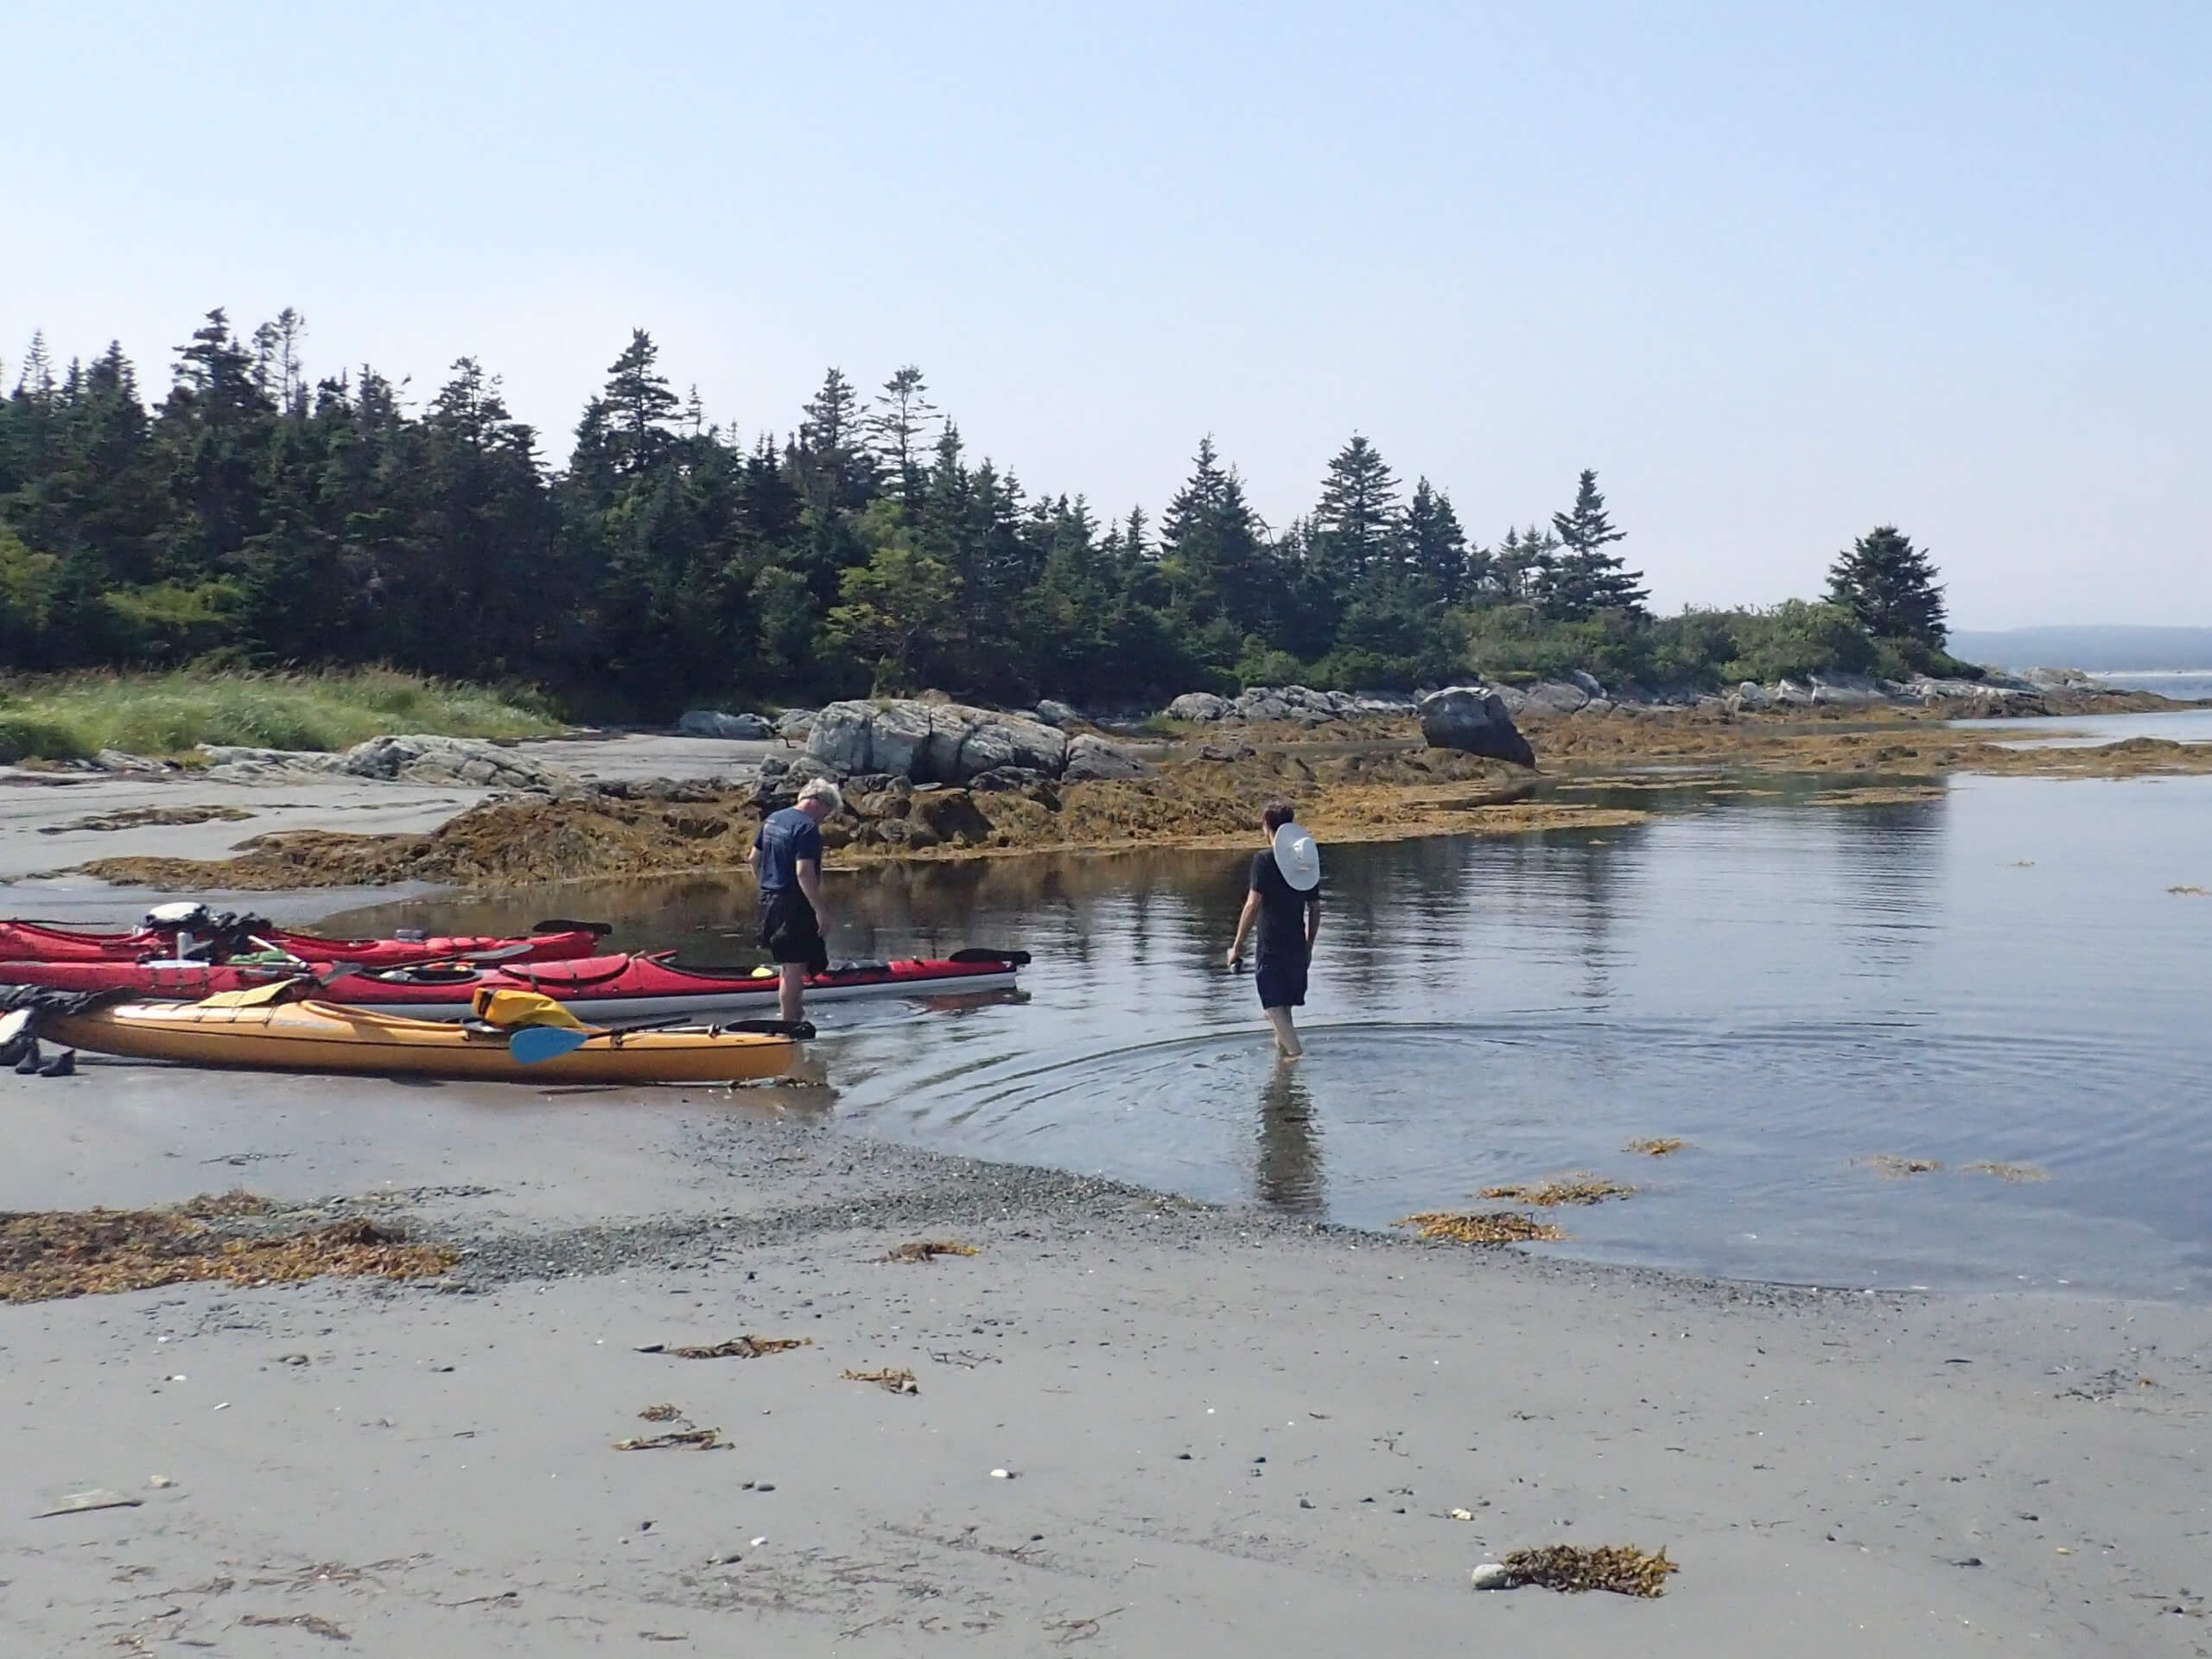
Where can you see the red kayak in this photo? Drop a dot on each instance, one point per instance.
(599, 988)
(170, 932)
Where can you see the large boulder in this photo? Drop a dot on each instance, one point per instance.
(931, 742)
(1472, 719)
(712, 722)
(1093, 758)
(1198, 706)
(794, 723)
(1054, 713)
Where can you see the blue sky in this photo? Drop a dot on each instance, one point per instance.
(1779, 271)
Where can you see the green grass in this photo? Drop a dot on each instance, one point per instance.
(165, 713)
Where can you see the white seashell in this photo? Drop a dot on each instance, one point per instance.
(1492, 1575)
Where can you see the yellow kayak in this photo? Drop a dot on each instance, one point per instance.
(324, 1037)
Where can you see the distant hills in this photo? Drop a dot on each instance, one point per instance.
(2122, 649)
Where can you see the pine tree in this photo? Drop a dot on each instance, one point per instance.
(835, 472)
(640, 407)
(1215, 560)
(899, 427)
(1890, 585)
(1436, 547)
(1585, 579)
(1356, 525)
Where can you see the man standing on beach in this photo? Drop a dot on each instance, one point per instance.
(786, 858)
(1284, 897)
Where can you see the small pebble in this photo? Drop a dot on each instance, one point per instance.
(1002, 1474)
(757, 1542)
(1305, 1503)
(161, 1480)
(1463, 1514)
(765, 1486)
(1492, 1575)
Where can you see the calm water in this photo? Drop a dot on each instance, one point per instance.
(2188, 685)
(1998, 973)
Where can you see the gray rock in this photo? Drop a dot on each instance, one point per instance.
(712, 722)
(1093, 758)
(1845, 691)
(2061, 679)
(1587, 682)
(794, 722)
(1752, 695)
(1054, 713)
(116, 760)
(422, 758)
(1552, 697)
(1597, 706)
(931, 742)
(1472, 718)
(1512, 697)
(1198, 706)
(1792, 694)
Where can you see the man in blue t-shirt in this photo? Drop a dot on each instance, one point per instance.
(786, 858)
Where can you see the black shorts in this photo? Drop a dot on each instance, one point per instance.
(1282, 981)
(790, 932)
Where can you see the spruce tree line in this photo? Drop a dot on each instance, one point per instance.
(251, 518)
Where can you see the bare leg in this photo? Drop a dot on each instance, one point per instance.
(1286, 1033)
(791, 990)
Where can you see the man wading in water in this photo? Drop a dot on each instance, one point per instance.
(1285, 898)
(786, 857)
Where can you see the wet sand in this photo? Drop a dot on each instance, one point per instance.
(1226, 1432)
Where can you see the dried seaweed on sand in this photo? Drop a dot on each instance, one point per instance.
(46, 1255)
(694, 1439)
(1889, 1163)
(1580, 1187)
(736, 1347)
(661, 1414)
(1622, 1568)
(308, 1622)
(924, 1249)
(1495, 1227)
(1657, 1147)
(888, 1378)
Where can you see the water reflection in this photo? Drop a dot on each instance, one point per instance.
(1287, 1173)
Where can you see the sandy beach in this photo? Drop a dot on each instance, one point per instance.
(1221, 1432)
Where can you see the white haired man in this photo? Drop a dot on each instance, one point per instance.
(786, 860)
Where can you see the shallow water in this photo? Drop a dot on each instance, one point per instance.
(2085, 731)
(1999, 974)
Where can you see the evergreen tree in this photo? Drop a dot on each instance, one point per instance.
(1436, 548)
(835, 472)
(1355, 526)
(1585, 579)
(1218, 570)
(1890, 585)
(899, 428)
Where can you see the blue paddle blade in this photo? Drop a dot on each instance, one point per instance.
(535, 1043)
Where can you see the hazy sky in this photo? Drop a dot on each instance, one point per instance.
(1779, 271)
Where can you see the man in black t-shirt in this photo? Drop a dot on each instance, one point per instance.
(1284, 898)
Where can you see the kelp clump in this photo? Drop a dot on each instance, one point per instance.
(51, 1254)
(1494, 1227)
(1622, 1568)
(1577, 1188)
